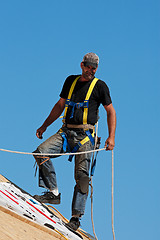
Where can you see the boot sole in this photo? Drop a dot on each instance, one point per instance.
(48, 201)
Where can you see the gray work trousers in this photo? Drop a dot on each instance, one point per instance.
(47, 174)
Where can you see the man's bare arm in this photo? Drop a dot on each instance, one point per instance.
(111, 121)
(54, 114)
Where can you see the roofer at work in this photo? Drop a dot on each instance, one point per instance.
(80, 99)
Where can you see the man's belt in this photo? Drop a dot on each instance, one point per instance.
(83, 126)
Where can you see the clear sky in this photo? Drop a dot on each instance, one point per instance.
(41, 43)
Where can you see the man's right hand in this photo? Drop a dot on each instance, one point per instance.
(54, 114)
(40, 132)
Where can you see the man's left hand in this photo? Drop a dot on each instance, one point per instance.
(110, 143)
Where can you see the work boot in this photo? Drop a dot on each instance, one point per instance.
(73, 224)
(48, 197)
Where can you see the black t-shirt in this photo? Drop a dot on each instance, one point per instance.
(99, 95)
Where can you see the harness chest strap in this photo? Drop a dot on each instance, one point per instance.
(84, 104)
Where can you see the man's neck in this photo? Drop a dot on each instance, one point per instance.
(82, 79)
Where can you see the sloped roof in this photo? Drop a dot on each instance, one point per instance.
(16, 227)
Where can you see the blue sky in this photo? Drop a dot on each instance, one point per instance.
(41, 43)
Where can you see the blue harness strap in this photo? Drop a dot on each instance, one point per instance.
(84, 104)
(90, 136)
(75, 149)
(66, 147)
(95, 158)
(93, 166)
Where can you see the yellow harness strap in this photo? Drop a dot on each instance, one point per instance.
(85, 113)
(86, 139)
(69, 97)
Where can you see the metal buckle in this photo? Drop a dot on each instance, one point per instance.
(78, 105)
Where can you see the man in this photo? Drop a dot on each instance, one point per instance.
(81, 97)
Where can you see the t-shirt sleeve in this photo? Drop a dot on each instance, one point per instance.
(104, 93)
(66, 87)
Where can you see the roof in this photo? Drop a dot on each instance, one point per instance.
(16, 226)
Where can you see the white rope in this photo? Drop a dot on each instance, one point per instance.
(113, 196)
(51, 154)
(92, 185)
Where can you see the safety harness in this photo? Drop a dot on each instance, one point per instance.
(85, 126)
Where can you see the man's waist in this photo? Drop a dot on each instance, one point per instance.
(80, 126)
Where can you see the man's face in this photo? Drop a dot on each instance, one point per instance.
(88, 72)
